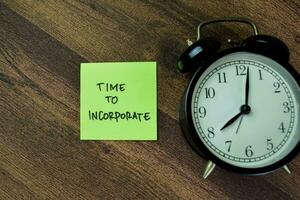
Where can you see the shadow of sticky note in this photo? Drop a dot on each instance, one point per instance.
(118, 101)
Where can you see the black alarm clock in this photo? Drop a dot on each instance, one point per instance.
(240, 110)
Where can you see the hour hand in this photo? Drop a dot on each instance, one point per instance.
(232, 120)
(245, 110)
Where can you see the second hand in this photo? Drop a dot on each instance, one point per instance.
(237, 130)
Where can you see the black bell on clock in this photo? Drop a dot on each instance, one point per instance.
(240, 110)
(196, 53)
(269, 46)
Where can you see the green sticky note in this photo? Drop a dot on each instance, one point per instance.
(118, 101)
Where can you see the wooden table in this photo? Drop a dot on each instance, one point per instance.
(42, 44)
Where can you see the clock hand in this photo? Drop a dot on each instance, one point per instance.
(232, 120)
(238, 128)
(245, 109)
(247, 87)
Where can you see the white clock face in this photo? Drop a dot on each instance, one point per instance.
(265, 135)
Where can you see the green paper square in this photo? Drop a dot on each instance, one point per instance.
(126, 118)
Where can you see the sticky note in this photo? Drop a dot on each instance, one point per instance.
(118, 101)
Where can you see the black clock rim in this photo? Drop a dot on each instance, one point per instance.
(191, 133)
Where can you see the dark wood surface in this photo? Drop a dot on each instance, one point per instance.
(42, 44)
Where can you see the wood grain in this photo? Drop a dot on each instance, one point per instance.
(42, 44)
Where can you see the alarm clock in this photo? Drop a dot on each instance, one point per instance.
(240, 110)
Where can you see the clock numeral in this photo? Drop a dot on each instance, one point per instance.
(269, 144)
(248, 151)
(260, 75)
(286, 107)
(202, 112)
(276, 86)
(240, 70)
(211, 133)
(222, 77)
(281, 127)
(210, 93)
(229, 145)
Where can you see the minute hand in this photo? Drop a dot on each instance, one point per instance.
(247, 87)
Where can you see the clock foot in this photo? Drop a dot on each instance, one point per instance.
(285, 167)
(208, 169)
(189, 42)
